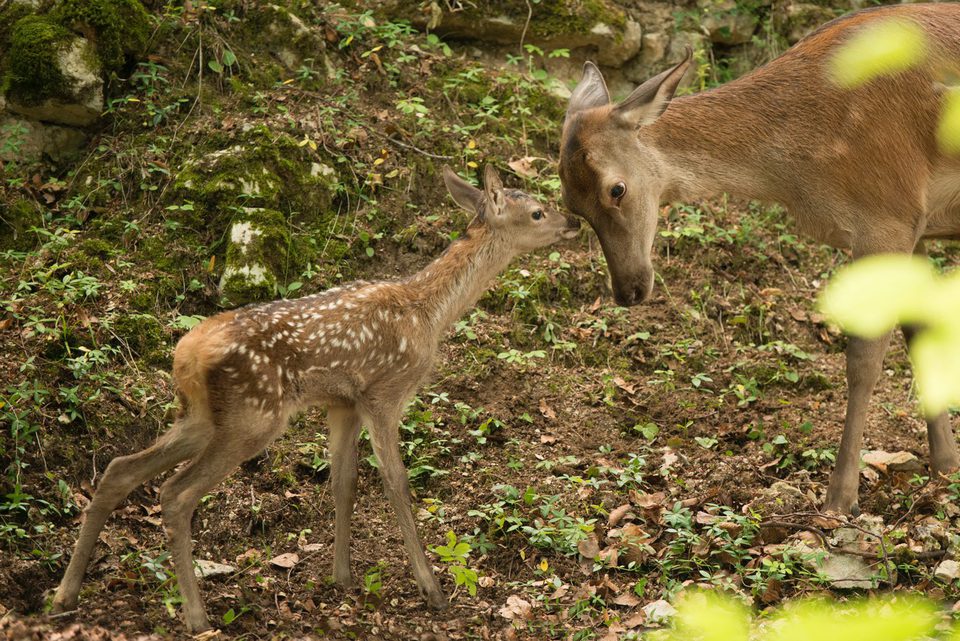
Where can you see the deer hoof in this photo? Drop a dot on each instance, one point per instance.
(437, 601)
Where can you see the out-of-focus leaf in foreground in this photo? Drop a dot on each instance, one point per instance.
(883, 47)
(871, 296)
(948, 131)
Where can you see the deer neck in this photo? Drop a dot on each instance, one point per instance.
(453, 283)
(720, 141)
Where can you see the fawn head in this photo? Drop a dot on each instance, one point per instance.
(613, 180)
(511, 213)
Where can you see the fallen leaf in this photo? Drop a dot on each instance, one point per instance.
(629, 388)
(589, 548)
(636, 620)
(546, 410)
(617, 514)
(516, 608)
(286, 560)
(647, 501)
(524, 167)
(547, 439)
(627, 599)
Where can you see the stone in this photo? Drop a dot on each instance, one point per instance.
(256, 255)
(892, 461)
(205, 569)
(292, 42)
(726, 22)
(25, 140)
(600, 26)
(948, 570)
(797, 19)
(847, 572)
(79, 99)
(659, 611)
(616, 47)
(654, 47)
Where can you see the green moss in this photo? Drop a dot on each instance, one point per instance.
(9, 16)
(119, 28)
(31, 64)
(555, 17)
(144, 335)
(96, 248)
(15, 224)
(157, 293)
(262, 170)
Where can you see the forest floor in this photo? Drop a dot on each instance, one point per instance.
(596, 460)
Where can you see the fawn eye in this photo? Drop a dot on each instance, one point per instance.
(617, 191)
(537, 215)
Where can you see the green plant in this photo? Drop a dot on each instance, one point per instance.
(456, 556)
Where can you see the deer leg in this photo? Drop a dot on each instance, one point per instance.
(864, 363)
(384, 435)
(123, 474)
(179, 496)
(943, 446)
(344, 430)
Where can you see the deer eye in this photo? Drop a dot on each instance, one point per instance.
(537, 215)
(617, 191)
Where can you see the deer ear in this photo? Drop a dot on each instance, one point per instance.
(463, 193)
(650, 99)
(493, 189)
(590, 92)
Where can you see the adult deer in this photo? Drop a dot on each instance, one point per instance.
(361, 350)
(855, 168)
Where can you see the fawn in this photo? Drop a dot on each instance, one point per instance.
(361, 350)
(858, 168)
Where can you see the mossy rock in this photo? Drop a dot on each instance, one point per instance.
(256, 256)
(119, 28)
(279, 32)
(9, 16)
(15, 224)
(571, 24)
(262, 170)
(32, 61)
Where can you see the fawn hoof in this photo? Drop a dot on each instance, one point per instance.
(59, 606)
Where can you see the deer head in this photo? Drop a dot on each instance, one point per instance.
(510, 213)
(614, 180)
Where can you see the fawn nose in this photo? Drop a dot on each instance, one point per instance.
(572, 228)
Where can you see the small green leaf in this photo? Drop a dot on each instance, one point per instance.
(873, 294)
(229, 58)
(948, 132)
(215, 66)
(880, 48)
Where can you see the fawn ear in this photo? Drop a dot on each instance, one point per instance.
(651, 99)
(463, 193)
(493, 190)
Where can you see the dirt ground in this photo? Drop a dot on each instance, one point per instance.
(597, 460)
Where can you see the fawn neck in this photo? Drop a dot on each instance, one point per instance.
(452, 283)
